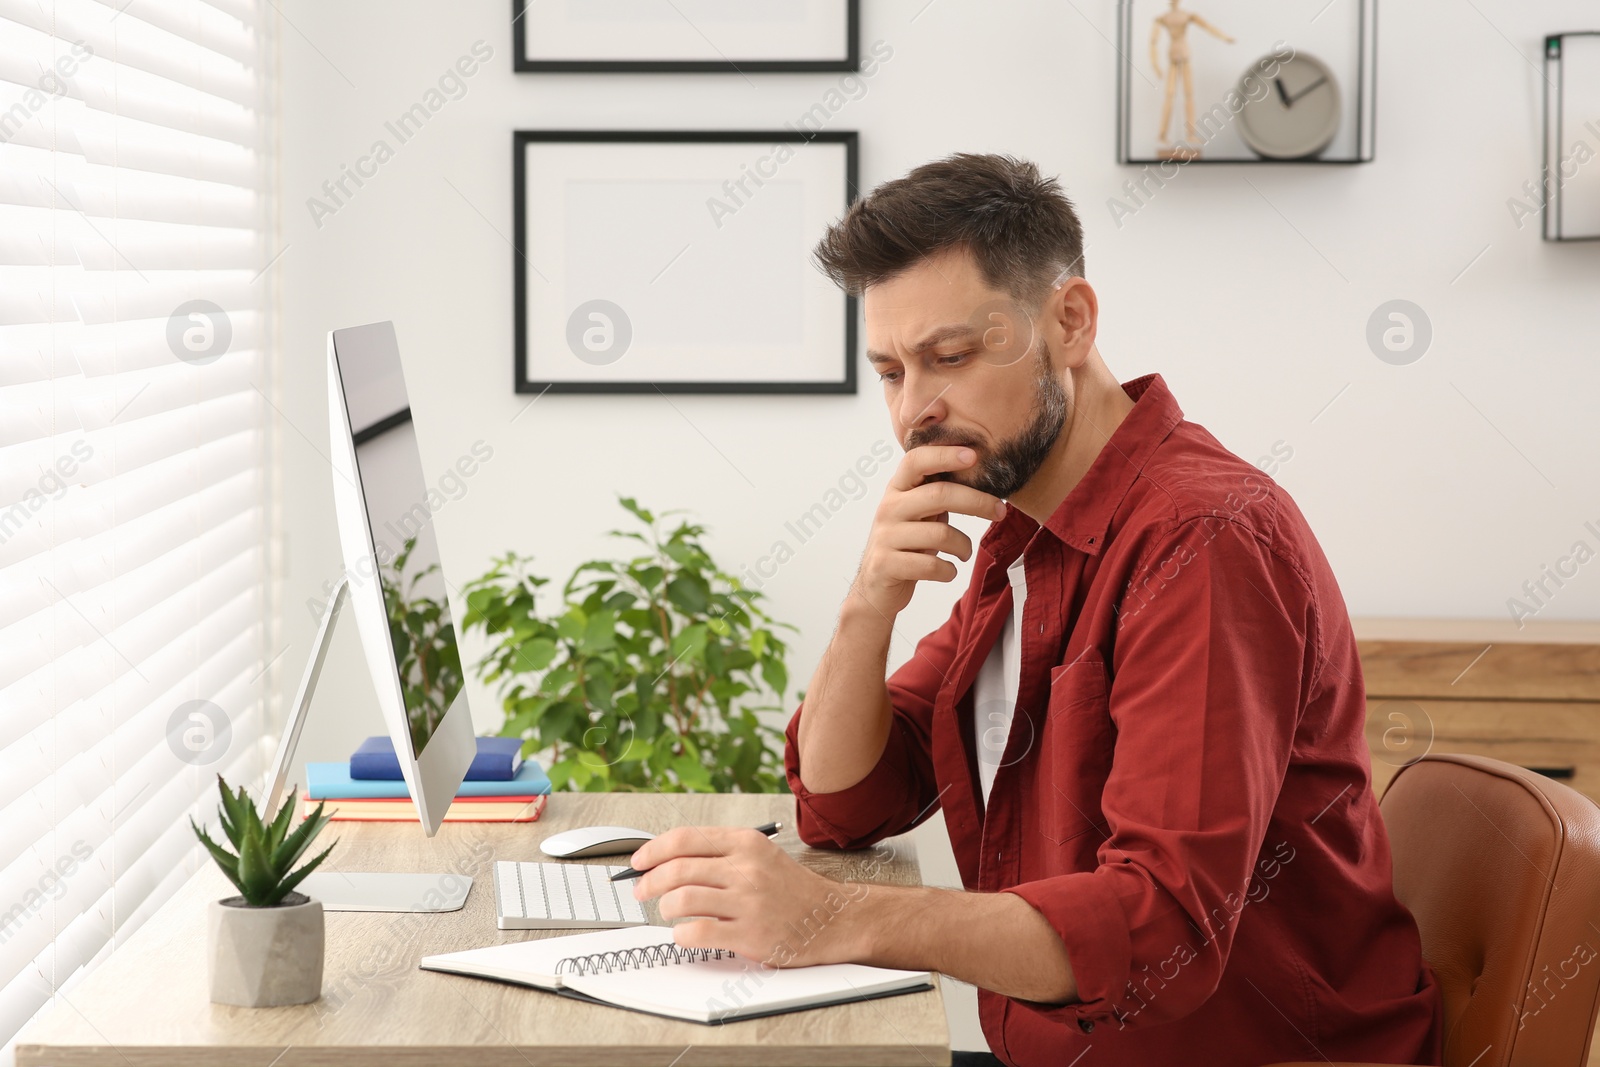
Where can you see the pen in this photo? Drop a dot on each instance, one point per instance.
(769, 829)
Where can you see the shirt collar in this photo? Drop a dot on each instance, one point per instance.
(1083, 516)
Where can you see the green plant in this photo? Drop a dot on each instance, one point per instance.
(424, 647)
(647, 675)
(262, 852)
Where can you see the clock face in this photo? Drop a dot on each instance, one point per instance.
(1299, 114)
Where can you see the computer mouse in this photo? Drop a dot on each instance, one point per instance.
(593, 841)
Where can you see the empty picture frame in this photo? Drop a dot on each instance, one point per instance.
(736, 36)
(1572, 137)
(680, 261)
(1338, 41)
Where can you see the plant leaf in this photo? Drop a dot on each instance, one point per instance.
(280, 825)
(775, 674)
(537, 654)
(690, 643)
(636, 750)
(689, 593)
(233, 810)
(298, 841)
(256, 877)
(599, 633)
(288, 884)
(691, 772)
(570, 625)
(640, 513)
(225, 859)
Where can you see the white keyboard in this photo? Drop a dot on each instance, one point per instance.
(563, 896)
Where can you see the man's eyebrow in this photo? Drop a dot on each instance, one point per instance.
(948, 332)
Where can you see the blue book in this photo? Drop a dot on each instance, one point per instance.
(497, 760)
(332, 781)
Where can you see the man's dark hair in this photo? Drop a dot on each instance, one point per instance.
(1018, 226)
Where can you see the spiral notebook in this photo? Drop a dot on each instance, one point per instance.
(642, 969)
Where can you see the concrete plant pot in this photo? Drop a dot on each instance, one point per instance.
(264, 957)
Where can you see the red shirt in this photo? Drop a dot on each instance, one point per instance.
(1185, 794)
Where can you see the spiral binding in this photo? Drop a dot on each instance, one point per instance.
(648, 956)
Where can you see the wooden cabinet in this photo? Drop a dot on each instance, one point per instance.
(1529, 696)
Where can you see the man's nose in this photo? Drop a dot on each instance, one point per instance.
(922, 402)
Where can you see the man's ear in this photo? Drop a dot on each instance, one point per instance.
(1075, 317)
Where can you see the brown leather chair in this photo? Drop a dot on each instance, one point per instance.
(1501, 868)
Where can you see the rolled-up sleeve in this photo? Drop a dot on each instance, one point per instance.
(1210, 664)
(899, 792)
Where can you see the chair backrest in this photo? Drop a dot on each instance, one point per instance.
(1501, 869)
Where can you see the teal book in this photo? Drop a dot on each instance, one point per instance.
(332, 781)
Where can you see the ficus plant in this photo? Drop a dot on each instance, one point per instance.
(650, 674)
(263, 852)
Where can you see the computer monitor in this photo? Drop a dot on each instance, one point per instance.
(381, 507)
(381, 504)
(384, 520)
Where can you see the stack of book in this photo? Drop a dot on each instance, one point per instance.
(500, 786)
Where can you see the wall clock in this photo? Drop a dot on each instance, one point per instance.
(1300, 115)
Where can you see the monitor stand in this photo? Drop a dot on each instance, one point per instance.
(386, 891)
(354, 890)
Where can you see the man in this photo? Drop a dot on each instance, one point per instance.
(1143, 720)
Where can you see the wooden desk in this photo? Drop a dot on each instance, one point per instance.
(1529, 695)
(148, 1006)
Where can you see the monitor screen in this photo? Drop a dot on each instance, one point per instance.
(404, 544)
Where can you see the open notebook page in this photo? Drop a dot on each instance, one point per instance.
(534, 962)
(734, 987)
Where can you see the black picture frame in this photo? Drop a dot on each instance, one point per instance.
(847, 381)
(1552, 226)
(523, 65)
(1365, 101)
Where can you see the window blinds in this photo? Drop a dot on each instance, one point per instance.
(134, 444)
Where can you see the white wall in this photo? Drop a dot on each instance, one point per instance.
(1435, 489)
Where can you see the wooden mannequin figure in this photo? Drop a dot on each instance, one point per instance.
(1176, 22)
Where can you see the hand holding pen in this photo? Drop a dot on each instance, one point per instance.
(734, 888)
(770, 830)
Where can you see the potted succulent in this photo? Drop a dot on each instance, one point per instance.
(265, 945)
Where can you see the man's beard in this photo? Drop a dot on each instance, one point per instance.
(1012, 463)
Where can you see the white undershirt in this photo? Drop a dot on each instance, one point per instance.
(994, 694)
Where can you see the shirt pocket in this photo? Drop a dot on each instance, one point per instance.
(1082, 679)
(1076, 743)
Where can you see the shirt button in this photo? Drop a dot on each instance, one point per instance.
(1086, 1025)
